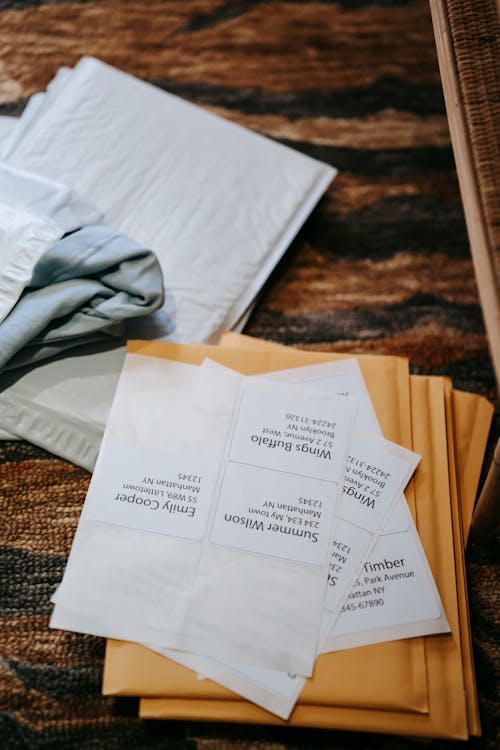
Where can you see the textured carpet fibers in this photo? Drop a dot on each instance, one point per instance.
(382, 265)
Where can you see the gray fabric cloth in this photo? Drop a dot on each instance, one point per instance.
(82, 290)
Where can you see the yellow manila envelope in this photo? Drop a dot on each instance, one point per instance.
(131, 669)
(447, 716)
(472, 417)
(468, 420)
(400, 664)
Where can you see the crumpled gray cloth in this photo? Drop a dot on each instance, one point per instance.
(81, 291)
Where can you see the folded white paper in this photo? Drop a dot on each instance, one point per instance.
(376, 472)
(394, 596)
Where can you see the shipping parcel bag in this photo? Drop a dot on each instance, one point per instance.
(163, 172)
(82, 289)
(34, 213)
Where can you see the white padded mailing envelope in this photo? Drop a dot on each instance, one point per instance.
(216, 202)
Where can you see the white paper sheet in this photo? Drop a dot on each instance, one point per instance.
(355, 532)
(214, 571)
(395, 595)
(381, 616)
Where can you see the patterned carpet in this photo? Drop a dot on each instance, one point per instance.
(382, 265)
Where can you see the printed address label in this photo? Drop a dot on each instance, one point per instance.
(347, 553)
(392, 588)
(152, 491)
(341, 378)
(292, 431)
(273, 513)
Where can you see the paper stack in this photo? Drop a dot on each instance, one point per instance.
(236, 526)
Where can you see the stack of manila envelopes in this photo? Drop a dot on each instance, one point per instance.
(429, 685)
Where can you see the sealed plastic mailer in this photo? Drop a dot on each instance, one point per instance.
(7, 127)
(32, 399)
(164, 173)
(23, 239)
(217, 203)
(237, 569)
(35, 105)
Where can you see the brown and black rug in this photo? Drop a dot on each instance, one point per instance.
(382, 265)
